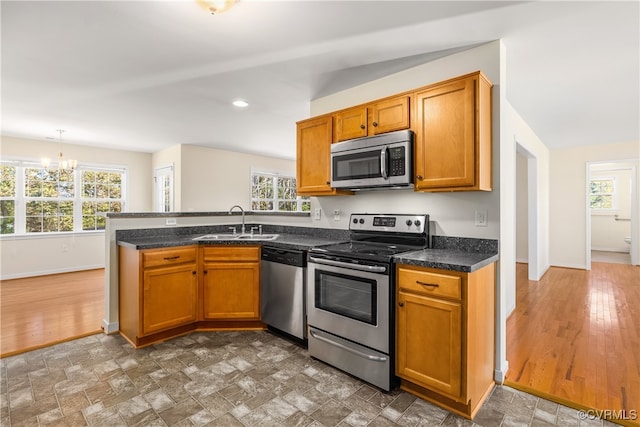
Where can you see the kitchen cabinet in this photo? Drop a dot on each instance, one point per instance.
(375, 118)
(157, 290)
(313, 157)
(231, 283)
(453, 135)
(445, 335)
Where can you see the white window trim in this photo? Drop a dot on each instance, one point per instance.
(276, 174)
(20, 199)
(614, 204)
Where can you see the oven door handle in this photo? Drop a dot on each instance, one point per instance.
(349, 349)
(371, 268)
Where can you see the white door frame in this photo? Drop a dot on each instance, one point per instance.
(533, 224)
(166, 170)
(621, 164)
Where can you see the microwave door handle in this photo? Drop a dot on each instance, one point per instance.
(383, 163)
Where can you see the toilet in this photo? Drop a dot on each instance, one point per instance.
(628, 240)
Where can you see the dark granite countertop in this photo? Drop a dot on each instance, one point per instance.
(285, 241)
(447, 259)
(446, 253)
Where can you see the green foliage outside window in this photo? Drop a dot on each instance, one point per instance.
(276, 193)
(7, 199)
(104, 188)
(602, 193)
(51, 202)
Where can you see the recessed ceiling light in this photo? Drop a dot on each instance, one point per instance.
(240, 103)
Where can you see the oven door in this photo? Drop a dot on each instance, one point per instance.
(348, 302)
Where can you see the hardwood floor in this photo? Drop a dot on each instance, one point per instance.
(40, 311)
(575, 337)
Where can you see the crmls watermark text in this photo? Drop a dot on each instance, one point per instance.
(609, 414)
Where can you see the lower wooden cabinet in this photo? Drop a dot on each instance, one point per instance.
(231, 283)
(171, 291)
(158, 291)
(445, 335)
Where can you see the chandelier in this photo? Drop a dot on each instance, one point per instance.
(63, 164)
(217, 6)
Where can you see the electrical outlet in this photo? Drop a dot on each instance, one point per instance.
(170, 221)
(317, 214)
(481, 218)
(336, 214)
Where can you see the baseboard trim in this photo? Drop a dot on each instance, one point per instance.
(50, 272)
(110, 328)
(499, 375)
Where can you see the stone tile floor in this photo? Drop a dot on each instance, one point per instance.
(225, 379)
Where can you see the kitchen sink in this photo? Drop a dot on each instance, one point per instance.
(227, 236)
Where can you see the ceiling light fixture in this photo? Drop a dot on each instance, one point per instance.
(240, 103)
(62, 163)
(217, 6)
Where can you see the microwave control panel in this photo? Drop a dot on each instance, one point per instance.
(397, 161)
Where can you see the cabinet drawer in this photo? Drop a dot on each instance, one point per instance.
(231, 253)
(428, 283)
(160, 257)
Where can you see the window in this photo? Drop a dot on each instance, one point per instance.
(7, 198)
(101, 193)
(603, 194)
(277, 193)
(35, 199)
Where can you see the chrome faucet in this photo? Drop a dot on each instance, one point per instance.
(241, 210)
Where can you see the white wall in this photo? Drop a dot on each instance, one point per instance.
(23, 256)
(522, 206)
(607, 234)
(215, 180)
(568, 202)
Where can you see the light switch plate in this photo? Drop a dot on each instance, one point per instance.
(336, 214)
(317, 214)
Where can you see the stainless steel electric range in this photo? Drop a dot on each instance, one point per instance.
(350, 296)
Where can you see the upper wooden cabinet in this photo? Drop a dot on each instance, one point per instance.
(453, 135)
(383, 116)
(313, 167)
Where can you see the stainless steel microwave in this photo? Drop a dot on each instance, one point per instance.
(373, 162)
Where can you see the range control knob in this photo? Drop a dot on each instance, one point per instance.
(355, 220)
(409, 222)
(361, 221)
(417, 223)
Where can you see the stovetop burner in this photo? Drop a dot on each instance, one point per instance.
(379, 237)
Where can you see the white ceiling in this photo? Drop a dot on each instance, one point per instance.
(149, 75)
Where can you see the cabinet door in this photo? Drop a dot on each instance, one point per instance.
(390, 115)
(429, 343)
(231, 290)
(351, 124)
(446, 136)
(169, 297)
(313, 169)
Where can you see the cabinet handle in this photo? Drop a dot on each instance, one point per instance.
(419, 177)
(194, 273)
(171, 258)
(362, 126)
(375, 124)
(433, 285)
(401, 304)
(206, 271)
(328, 182)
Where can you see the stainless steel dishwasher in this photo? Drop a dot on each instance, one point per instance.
(283, 290)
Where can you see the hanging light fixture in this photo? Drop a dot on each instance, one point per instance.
(217, 6)
(62, 163)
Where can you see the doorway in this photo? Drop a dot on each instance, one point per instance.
(163, 189)
(612, 212)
